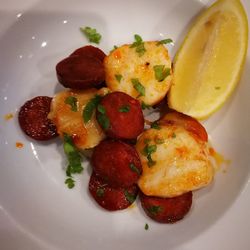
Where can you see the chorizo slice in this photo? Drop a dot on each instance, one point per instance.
(90, 51)
(78, 72)
(117, 163)
(166, 210)
(111, 198)
(123, 116)
(189, 123)
(33, 119)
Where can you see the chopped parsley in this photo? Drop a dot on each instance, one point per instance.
(138, 44)
(74, 160)
(217, 88)
(148, 151)
(155, 125)
(159, 141)
(129, 197)
(161, 72)
(173, 135)
(118, 78)
(72, 101)
(134, 168)
(102, 117)
(114, 48)
(146, 227)
(92, 35)
(145, 106)
(124, 109)
(138, 86)
(164, 41)
(90, 107)
(70, 182)
(154, 210)
(100, 192)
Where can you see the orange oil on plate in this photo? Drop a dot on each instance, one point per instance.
(19, 145)
(220, 163)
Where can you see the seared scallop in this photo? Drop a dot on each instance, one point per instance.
(144, 74)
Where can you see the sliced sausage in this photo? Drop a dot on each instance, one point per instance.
(189, 123)
(78, 72)
(33, 119)
(166, 210)
(90, 51)
(117, 163)
(111, 198)
(124, 116)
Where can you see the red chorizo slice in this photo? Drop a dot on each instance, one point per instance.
(33, 119)
(78, 72)
(90, 51)
(189, 123)
(166, 210)
(111, 198)
(120, 115)
(117, 163)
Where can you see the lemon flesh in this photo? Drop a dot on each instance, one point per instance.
(209, 63)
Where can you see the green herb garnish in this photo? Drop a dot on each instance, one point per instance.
(148, 151)
(129, 197)
(134, 168)
(70, 183)
(146, 227)
(74, 160)
(102, 117)
(145, 106)
(118, 78)
(159, 141)
(154, 210)
(138, 86)
(114, 48)
(138, 45)
(92, 35)
(155, 125)
(161, 72)
(173, 135)
(124, 109)
(100, 192)
(164, 41)
(90, 107)
(72, 101)
(217, 88)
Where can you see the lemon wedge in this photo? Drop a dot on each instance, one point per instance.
(209, 63)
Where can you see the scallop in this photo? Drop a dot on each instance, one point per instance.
(68, 121)
(174, 161)
(145, 75)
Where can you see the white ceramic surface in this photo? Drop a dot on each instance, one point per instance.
(37, 210)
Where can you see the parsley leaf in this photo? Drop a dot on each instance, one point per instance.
(138, 45)
(70, 183)
(129, 197)
(100, 192)
(161, 72)
(155, 125)
(134, 168)
(138, 86)
(154, 210)
(92, 35)
(148, 151)
(124, 109)
(90, 107)
(102, 117)
(145, 106)
(146, 227)
(118, 77)
(74, 160)
(72, 101)
(114, 48)
(164, 41)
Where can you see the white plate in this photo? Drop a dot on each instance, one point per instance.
(37, 210)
